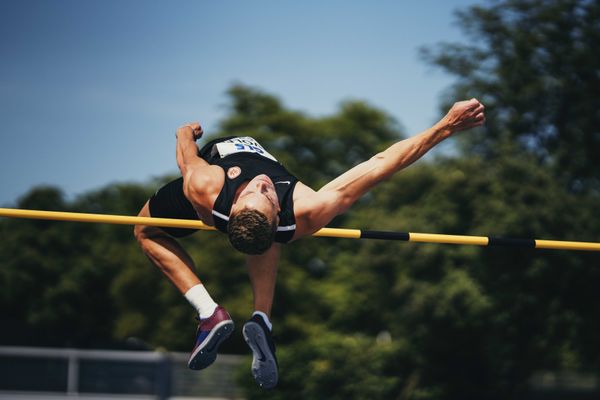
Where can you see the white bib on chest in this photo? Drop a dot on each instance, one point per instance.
(244, 144)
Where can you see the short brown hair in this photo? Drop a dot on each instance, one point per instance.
(250, 231)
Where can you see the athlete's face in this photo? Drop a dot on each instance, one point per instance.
(259, 195)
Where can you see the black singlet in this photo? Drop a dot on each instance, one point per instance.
(252, 160)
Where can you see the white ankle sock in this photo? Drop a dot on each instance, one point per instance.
(265, 318)
(201, 300)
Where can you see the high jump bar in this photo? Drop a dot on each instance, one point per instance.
(324, 232)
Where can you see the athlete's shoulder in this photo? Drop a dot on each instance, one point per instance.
(303, 209)
(202, 185)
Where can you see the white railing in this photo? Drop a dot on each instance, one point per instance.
(35, 373)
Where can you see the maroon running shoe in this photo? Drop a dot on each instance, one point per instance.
(212, 331)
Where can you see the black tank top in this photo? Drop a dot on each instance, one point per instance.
(252, 159)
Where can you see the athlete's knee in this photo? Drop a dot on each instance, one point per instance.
(139, 233)
(142, 232)
(147, 238)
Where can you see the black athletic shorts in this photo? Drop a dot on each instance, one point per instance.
(170, 202)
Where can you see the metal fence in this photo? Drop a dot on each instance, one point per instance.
(33, 373)
(36, 373)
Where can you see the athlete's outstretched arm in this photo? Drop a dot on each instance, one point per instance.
(317, 209)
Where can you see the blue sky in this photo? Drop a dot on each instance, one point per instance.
(91, 92)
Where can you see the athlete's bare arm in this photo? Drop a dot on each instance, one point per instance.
(187, 152)
(315, 210)
(202, 182)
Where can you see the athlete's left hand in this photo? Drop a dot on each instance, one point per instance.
(464, 115)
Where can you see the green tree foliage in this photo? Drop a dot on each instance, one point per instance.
(353, 319)
(534, 64)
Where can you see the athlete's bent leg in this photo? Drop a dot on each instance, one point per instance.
(262, 270)
(167, 254)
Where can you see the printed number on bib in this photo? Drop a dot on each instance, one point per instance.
(242, 145)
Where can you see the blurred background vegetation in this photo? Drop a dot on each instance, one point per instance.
(377, 320)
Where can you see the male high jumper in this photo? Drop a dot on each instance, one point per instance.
(235, 185)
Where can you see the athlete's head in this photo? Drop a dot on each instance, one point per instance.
(253, 219)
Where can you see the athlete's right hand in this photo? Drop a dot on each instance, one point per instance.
(193, 127)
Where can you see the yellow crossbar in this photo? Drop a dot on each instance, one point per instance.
(325, 232)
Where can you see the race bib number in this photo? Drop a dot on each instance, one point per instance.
(244, 144)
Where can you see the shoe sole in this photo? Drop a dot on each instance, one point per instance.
(264, 366)
(205, 355)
